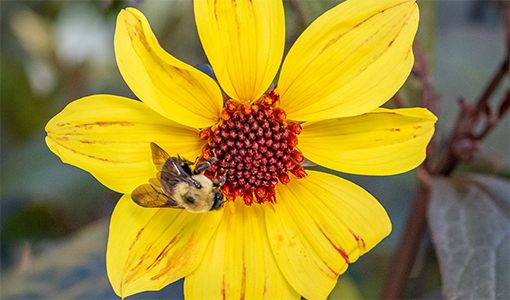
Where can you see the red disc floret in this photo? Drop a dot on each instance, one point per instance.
(254, 146)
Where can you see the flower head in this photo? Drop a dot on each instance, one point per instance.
(286, 231)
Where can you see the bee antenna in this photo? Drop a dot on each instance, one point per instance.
(214, 152)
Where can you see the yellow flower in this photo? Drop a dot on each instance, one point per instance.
(293, 231)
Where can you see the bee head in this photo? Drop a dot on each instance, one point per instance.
(218, 199)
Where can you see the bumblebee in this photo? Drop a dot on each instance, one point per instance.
(177, 186)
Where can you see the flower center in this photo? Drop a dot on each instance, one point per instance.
(255, 147)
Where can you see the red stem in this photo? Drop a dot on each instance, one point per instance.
(404, 257)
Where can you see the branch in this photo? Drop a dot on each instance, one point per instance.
(482, 103)
(506, 26)
(463, 143)
(404, 257)
(429, 97)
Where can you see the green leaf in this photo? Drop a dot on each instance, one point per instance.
(23, 112)
(469, 219)
(345, 289)
(34, 221)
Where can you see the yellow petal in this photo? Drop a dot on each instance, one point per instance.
(166, 84)
(149, 248)
(349, 61)
(382, 142)
(110, 136)
(239, 263)
(321, 224)
(244, 42)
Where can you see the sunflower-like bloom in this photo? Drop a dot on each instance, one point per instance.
(285, 231)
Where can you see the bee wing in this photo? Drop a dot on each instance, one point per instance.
(159, 156)
(173, 173)
(172, 170)
(152, 195)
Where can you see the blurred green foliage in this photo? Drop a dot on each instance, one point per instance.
(54, 52)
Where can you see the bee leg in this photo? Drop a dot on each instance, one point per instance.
(202, 166)
(221, 182)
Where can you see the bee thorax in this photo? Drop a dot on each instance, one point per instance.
(197, 200)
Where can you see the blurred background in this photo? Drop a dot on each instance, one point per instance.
(54, 217)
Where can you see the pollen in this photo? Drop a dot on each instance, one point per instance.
(255, 150)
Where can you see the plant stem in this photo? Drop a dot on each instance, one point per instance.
(403, 259)
(405, 255)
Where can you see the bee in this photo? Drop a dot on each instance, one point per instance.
(176, 186)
